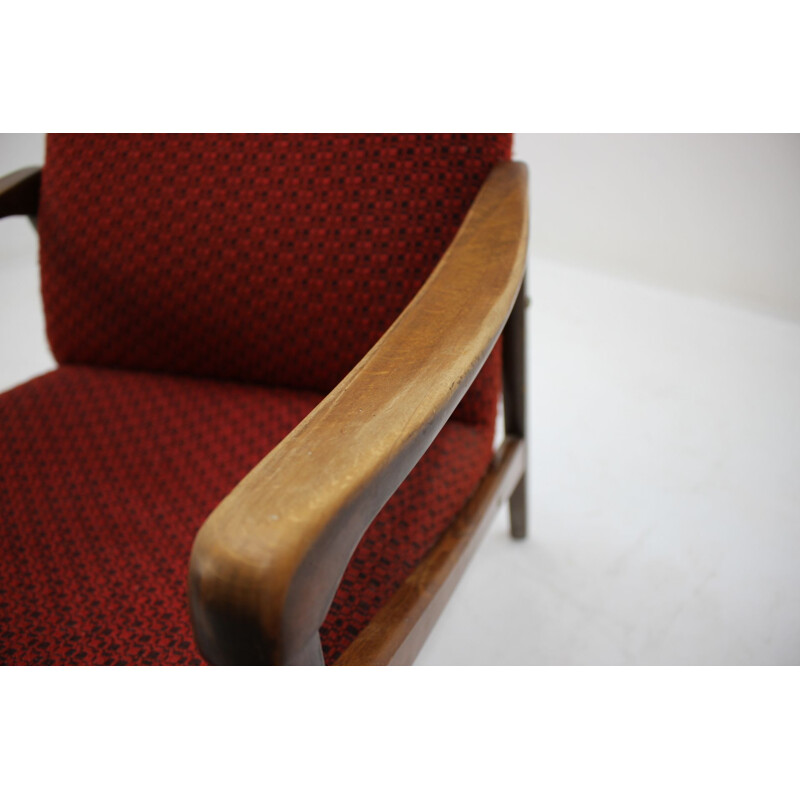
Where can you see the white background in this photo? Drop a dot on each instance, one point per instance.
(712, 215)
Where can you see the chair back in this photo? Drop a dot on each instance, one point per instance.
(274, 258)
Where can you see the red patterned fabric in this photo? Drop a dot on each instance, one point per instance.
(277, 259)
(106, 476)
(234, 263)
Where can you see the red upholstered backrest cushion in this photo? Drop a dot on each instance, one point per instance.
(272, 258)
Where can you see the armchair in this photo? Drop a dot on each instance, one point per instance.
(331, 305)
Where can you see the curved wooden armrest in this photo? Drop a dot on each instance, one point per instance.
(19, 192)
(266, 564)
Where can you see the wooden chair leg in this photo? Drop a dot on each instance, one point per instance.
(518, 506)
(514, 380)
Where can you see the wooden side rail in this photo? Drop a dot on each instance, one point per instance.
(395, 635)
(267, 562)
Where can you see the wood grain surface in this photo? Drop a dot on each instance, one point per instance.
(267, 562)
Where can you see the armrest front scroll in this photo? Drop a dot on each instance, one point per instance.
(19, 192)
(266, 564)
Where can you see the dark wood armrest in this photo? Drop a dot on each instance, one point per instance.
(266, 564)
(19, 192)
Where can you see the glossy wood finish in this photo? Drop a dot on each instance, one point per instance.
(397, 632)
(19, 193)
(267, 562)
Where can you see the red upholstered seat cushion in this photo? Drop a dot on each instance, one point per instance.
(106, 476)
(271, 258)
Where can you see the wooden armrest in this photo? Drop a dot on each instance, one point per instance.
(19, 192)
(267, 562)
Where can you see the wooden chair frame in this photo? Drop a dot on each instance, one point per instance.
(267, 562)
